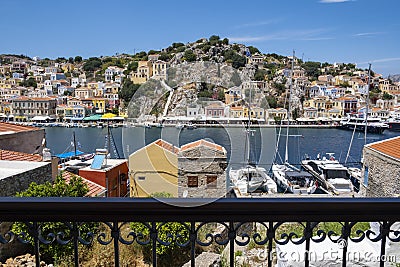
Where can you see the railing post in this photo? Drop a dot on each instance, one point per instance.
(153, 236)
(35, 232)
(384, 232)
(75, 233)
(231, 236)
(193, 238)
(308, 235)
(115, 236)
(270, 235)
(343, 242)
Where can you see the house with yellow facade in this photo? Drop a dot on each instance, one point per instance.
(143, 72)
(154, 168)
(99, 104)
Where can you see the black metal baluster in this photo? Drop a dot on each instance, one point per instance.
(153, 236)
(75, 233)
(343, 242)
(193, 238)
(115, 236)
(270, 235)
(35, 232)
(231, 236)
(385, 228)
(307, 235)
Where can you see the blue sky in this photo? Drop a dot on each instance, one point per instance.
(357, 31)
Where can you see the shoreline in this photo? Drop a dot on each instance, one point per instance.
(221, 125)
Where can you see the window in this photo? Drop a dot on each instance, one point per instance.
(366, 176)
(142, 178)
(193, 181)
(211, 181)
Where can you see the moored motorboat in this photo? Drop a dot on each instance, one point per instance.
(330, 174)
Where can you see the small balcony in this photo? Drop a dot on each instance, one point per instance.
(267, 224)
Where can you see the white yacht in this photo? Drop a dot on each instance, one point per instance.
(373, 124)
(332, 175)
(250, 178)
(292, 180)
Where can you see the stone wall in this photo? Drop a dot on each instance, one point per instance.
(21, 181)
(9, 186)
(202, 162)
(28, 142)
(383, 175)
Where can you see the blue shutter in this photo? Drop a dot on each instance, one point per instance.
(366, 175)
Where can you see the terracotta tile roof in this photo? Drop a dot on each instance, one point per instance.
(24, 98)
(167, 146)
(9, 128)
(390, 147)
(19, 156)
(202, 142)
(94, 189)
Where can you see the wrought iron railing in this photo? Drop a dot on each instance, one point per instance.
(233, 215)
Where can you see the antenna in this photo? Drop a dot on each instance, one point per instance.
(289, 111)
(367, 105)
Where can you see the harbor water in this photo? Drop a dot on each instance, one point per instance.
(263, 141)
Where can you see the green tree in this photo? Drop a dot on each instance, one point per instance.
(236, 59)
(225, 41)
(61, 59)
(260, 75)
(236, 47)
(387, 96)
(153, 52)
(31, 82)
(78, 59)
(176, 45)
(60, 188)
(253, 50)
(164, 56)
(214, 39)
(128, 89)
(206, 48)
(221, 94)
(190, 56)
(312, 69)
(92, 64)
(71, 60)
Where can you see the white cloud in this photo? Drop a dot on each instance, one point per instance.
(300, 35)
(317, 39)
(389, 59)
(367, 34)
(334, 1)
(259, 23)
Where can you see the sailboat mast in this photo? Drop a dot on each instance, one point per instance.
(367, 105)
(73, 133)
(248, 130)
(289, 111)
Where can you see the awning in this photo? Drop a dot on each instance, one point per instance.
(41, 118)
(93, 118)
(69, 154)
(108, 116)
(76, 118)
(118, 118)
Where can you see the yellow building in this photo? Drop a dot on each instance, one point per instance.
(68, 67)
(99, 104)
(154, 168)
(237, 112)
(143, 72)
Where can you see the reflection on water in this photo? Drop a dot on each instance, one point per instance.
(301, 141)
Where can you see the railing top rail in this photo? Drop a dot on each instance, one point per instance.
(147, 209)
